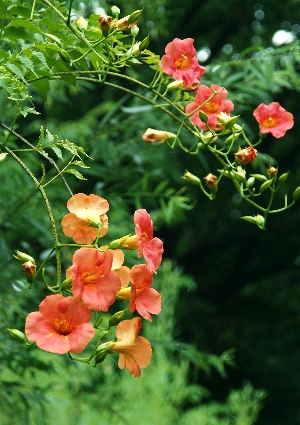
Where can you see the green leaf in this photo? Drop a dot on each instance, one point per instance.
(25, 24)
(16, 70)
(41, 58)
(76, 173)
(57, 152)
(28, 63)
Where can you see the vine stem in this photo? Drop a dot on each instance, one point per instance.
(52, 162)
(48, 207)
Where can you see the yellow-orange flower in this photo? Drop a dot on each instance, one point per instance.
(87, 215)
(135, 351)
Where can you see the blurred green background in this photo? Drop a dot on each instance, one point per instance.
(225, 284)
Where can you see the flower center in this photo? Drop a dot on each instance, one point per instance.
(183, 62)
(62, 327)
(88, 277)
(211, 107)
(270, 122)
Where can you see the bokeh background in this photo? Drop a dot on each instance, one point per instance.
(227, 343)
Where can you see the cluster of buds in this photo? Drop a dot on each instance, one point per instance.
(97, 278)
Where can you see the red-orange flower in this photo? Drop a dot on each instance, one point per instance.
(60, 325)
(244, 156)
(274, 119)
(151, 248)
(92, 278)
(180, 61)
(135, 351)
(87, 214)
(212, 108)
(143, 299)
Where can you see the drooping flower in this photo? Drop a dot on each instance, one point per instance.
(246, 155)
(211, 181)
(143, 299)
(151, 248)
(60, 325)
(212, 108)
(274, 119)
(87, 214)
(151, 135)
(92, 278)
(135, 351)
(180, 61)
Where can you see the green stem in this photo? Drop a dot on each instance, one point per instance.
(48, 207)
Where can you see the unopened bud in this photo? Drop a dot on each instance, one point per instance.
(21, 256)
(211, 181)
(296, 194)
(151, 135)
(191, 178)
(29, 271)
(240, 174)
(115, 11)
(226, 120)
(272, 171)
(246, 155)
(134, 30)
(82, 23)
(2, 156)
(53, 38)
(126, 242)
(18, 335)
(258, 220)
(134, 17)
(116, 318)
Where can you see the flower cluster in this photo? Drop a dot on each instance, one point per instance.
(96, 279)
(206, 115)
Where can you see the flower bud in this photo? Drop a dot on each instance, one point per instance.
(152, 135)
(240, 174)
(126, 242)
(226, 120)
(115, 11)
(272, 171)
(117, 318)
(179, 85)
(53, 38)
(29, 271)
(82, 23)
(191, 178)
(258, 220)
(105, 22)
(2, 156)
(134, 17)
(21, 256)
(134, 30)
(134, 50)
(296, 194)
(18, 335)
(211, 181)
(246, 155)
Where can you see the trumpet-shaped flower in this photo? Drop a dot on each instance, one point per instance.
(92, 278)
(151, 248)
(143, 299)
(87, 214)
(274, 119)
(135, 351)
(60, 325)
(180, 61)
(246, 155)
(211, 107)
